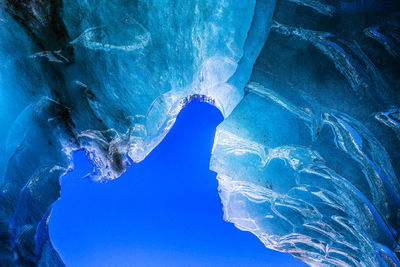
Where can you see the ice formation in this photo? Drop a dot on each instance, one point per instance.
(307, 157)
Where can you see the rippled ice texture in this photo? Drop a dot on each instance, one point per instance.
(307, 157)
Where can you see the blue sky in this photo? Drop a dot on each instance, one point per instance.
(164, 211)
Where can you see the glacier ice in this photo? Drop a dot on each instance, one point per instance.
(307, 156)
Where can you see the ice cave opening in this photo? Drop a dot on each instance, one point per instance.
(307, 156)
(163, 210)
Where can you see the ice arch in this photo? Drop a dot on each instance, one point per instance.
(163, 211)
(307, 156)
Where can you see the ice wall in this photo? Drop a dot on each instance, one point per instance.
(306, 157)
(309, 159)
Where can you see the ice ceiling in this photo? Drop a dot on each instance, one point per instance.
(308, 156)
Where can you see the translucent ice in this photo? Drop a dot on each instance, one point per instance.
(307, 157)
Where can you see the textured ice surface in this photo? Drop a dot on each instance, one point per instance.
(307, 157)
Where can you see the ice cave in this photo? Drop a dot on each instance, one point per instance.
(308, 154)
